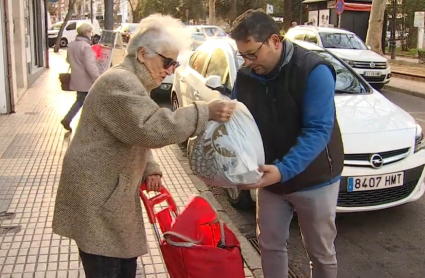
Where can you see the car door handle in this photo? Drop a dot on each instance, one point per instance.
(182, 79)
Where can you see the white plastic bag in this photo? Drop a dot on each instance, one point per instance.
(228, 154)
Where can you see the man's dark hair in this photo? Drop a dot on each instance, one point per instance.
(255, 24)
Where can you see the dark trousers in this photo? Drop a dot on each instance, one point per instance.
(81, 97)
(96, 266)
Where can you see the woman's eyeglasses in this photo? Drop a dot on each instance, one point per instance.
(168, 62)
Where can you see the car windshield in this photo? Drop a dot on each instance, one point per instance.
(346, 81)
(56, 26)
(214, 32)
(342, 40)
(132, 27)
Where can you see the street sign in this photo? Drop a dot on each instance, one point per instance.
(339, 8)
(419, 19)
(269, 9)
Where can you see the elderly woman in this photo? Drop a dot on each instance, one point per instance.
(84, 71)
(97, 201)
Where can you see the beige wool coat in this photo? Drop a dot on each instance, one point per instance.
(97, 202)
(82, 61)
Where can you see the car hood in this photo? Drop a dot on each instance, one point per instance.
(371, 123)
(357, 55)
(371, 113)
(53, 32)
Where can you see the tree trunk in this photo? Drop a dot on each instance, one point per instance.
(376, 19)
(211, 12)
(65, 21)
(287, 14)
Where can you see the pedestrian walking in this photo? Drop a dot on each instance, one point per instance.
(98, 203)
(84, 70)
(290, 92)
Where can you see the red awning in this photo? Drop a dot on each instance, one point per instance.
(357, 7)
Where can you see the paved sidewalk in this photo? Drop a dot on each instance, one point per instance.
(401, 58)
(406, 86)
(32, 145)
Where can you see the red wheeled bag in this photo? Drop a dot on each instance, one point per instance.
(194, 243)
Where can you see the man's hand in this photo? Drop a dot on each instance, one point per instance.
(153, 183)
(271, 176)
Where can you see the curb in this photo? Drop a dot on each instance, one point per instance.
(251, 257)
(404, 91)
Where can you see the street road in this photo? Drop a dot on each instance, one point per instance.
(380, 244)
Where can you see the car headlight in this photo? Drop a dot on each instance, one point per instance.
(349, 62)
(419, 139)
(165, 86)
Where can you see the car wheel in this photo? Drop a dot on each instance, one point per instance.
(174, 102)
(96, 39)
(174, 106)
(64, 42)
(240, 199)
(378, 86)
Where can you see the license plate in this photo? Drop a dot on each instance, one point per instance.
(372, 73)
(375, 182)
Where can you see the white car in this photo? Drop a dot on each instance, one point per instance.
(384, 146)
(70, 32)
(373, 67)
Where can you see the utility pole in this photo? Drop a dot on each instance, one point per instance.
(91, 11)
(394, 24)
(109, 14)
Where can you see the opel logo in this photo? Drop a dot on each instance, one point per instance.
(372, 65)
(376, 161)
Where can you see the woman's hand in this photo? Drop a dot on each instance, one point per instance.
(221, 110)
(153, 183)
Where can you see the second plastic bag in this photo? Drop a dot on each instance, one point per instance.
(228, 154)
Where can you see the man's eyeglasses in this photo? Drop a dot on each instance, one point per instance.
(253, 56)
(168, 62)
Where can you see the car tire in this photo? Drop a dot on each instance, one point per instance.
(174, 106)
(240, 199)
(378, 86)
(96, 39)
(64, 42)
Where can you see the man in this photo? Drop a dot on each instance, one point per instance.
(293, 24)
(290, 92)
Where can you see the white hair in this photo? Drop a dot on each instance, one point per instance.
(83, 28)
(159, 33)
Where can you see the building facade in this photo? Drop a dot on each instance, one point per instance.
(355, 16)
(23, 48)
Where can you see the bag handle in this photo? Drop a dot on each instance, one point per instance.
(188, 241)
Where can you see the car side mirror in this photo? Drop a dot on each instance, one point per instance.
(214, 83)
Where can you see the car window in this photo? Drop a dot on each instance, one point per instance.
(346, 80)
(218, 65)
(198, 62)
(71, 26)
(310, 37)
(341, 40)
(296, 35)
(56, 26)
(192, 59)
